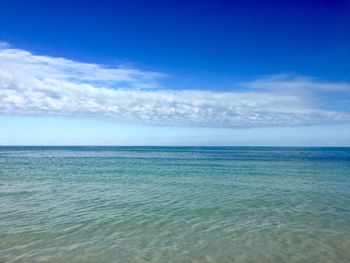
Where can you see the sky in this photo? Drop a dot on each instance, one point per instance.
(235, 73)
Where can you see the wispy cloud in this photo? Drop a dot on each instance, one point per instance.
(47, 86)
(291, 83)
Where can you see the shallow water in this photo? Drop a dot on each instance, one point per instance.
(176, 204)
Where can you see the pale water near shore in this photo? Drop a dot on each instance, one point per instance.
(154, 204)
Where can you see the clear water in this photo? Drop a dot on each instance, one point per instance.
(154, 204)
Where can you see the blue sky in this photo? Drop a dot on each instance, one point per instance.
(175, 73)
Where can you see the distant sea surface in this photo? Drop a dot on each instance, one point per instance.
(174, 204)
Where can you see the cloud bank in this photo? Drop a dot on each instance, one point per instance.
(33, 85)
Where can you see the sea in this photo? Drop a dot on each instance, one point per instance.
(174, 204)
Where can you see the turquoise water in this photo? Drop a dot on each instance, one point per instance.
(155, 204)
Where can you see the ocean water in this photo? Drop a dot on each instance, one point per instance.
(174, 204)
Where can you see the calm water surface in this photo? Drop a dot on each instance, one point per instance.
(158, 204)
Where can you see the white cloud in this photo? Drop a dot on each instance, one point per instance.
(292, 82)
(45, 86)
